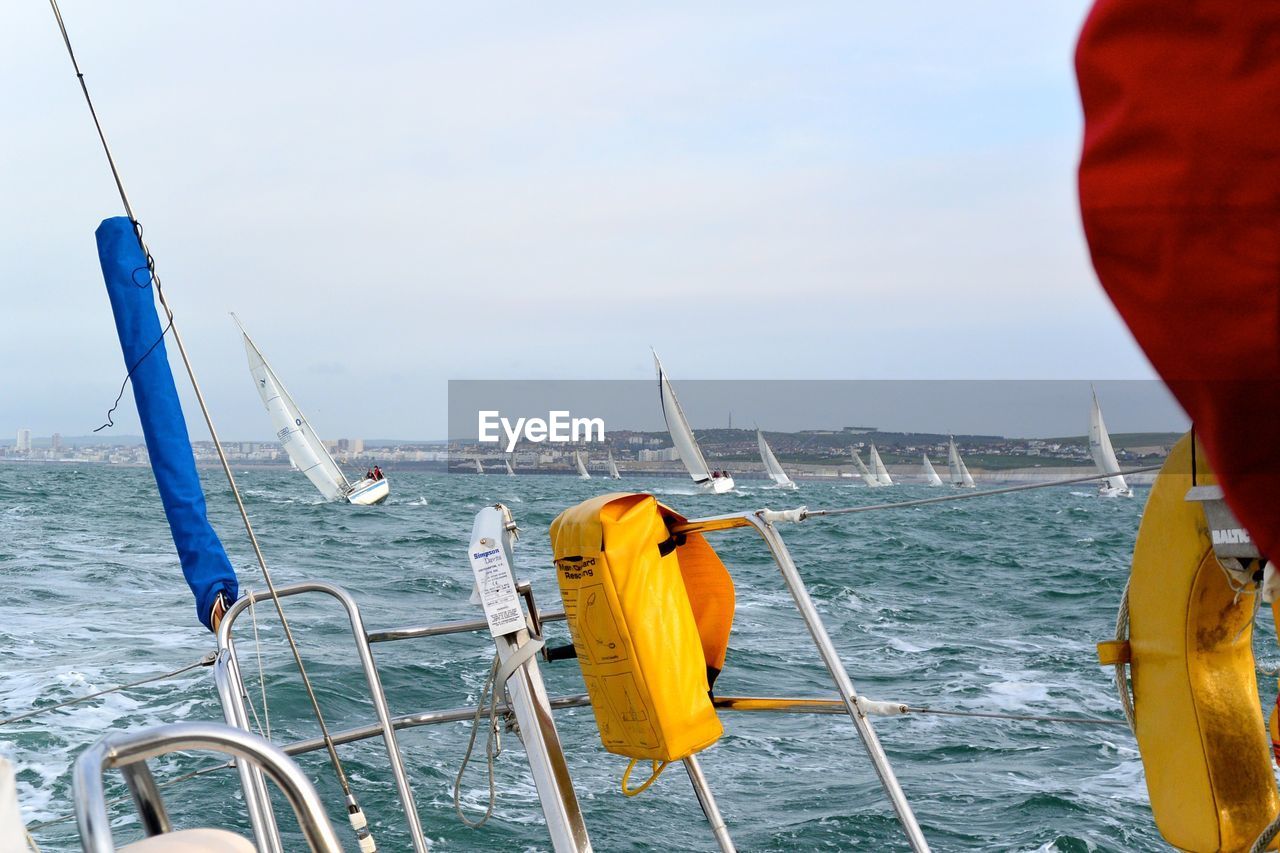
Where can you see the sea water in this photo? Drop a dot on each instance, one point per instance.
(989, 604)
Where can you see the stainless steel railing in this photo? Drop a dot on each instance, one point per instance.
(129, 753)
(565, 824)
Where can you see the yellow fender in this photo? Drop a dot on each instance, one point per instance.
(1197, 713)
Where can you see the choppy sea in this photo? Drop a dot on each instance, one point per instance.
(991, 604)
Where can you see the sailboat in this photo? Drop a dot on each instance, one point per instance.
(1104, 455)
(614, 473)
(300, 441)
(877, 466)
(930, 476)
(682, 437)
(510, 471)
(771, 464)
(479, 467)
(514, 677)
(580, 462)
(959, 471)
(863, 471)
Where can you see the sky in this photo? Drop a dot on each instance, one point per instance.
(398, 194)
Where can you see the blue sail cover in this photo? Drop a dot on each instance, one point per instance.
(204, 561)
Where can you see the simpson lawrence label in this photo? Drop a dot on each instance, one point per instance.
(496, 587)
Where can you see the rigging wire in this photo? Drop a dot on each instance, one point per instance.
(1028, 718)
(124, 798)
(354, 812)
(207, 660)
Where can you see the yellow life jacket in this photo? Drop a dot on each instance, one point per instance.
(1197, 714)
(650, 616)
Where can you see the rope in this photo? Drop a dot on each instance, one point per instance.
(354, 813)
(983, 493)
(207, 660)
(1122, 669)
(655, 770)
(493, 745)
(31, 842)
(1268, 835)
(495, 683)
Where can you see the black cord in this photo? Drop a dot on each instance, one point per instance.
(150, 269)
(1193, 455)
(110, 421)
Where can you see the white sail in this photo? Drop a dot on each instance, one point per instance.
(678, 426)
(614, 473)
(296, 436)
(1104, 455)
(930, 476)
(877, 467)
(479, 467)
(510, 471)
(866, 475)
(582, 465)
(959, 471)
(771, 464)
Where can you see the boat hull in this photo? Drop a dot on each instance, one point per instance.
(369, 492)
(717, 485)
(1114, 492)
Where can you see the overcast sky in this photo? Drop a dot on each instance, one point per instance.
(392, 195)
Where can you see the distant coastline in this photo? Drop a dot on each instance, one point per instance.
(807, 455)
(903, 474)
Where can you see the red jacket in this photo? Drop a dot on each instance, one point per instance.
(1180, 196)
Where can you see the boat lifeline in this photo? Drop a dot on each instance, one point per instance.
(1104, 455)
(771, 465)
(682, 437)
(300, 441)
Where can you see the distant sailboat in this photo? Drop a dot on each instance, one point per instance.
(305, 449)
(959, 471)
(614, 473)
(877, 467)
(1104, 455)
(582, 465)
(682, 438)
(479, 467)
(510, 471)
(771, 464)
(863, 472)
(930, 476)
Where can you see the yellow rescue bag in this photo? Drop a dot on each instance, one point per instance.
(650, 616)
